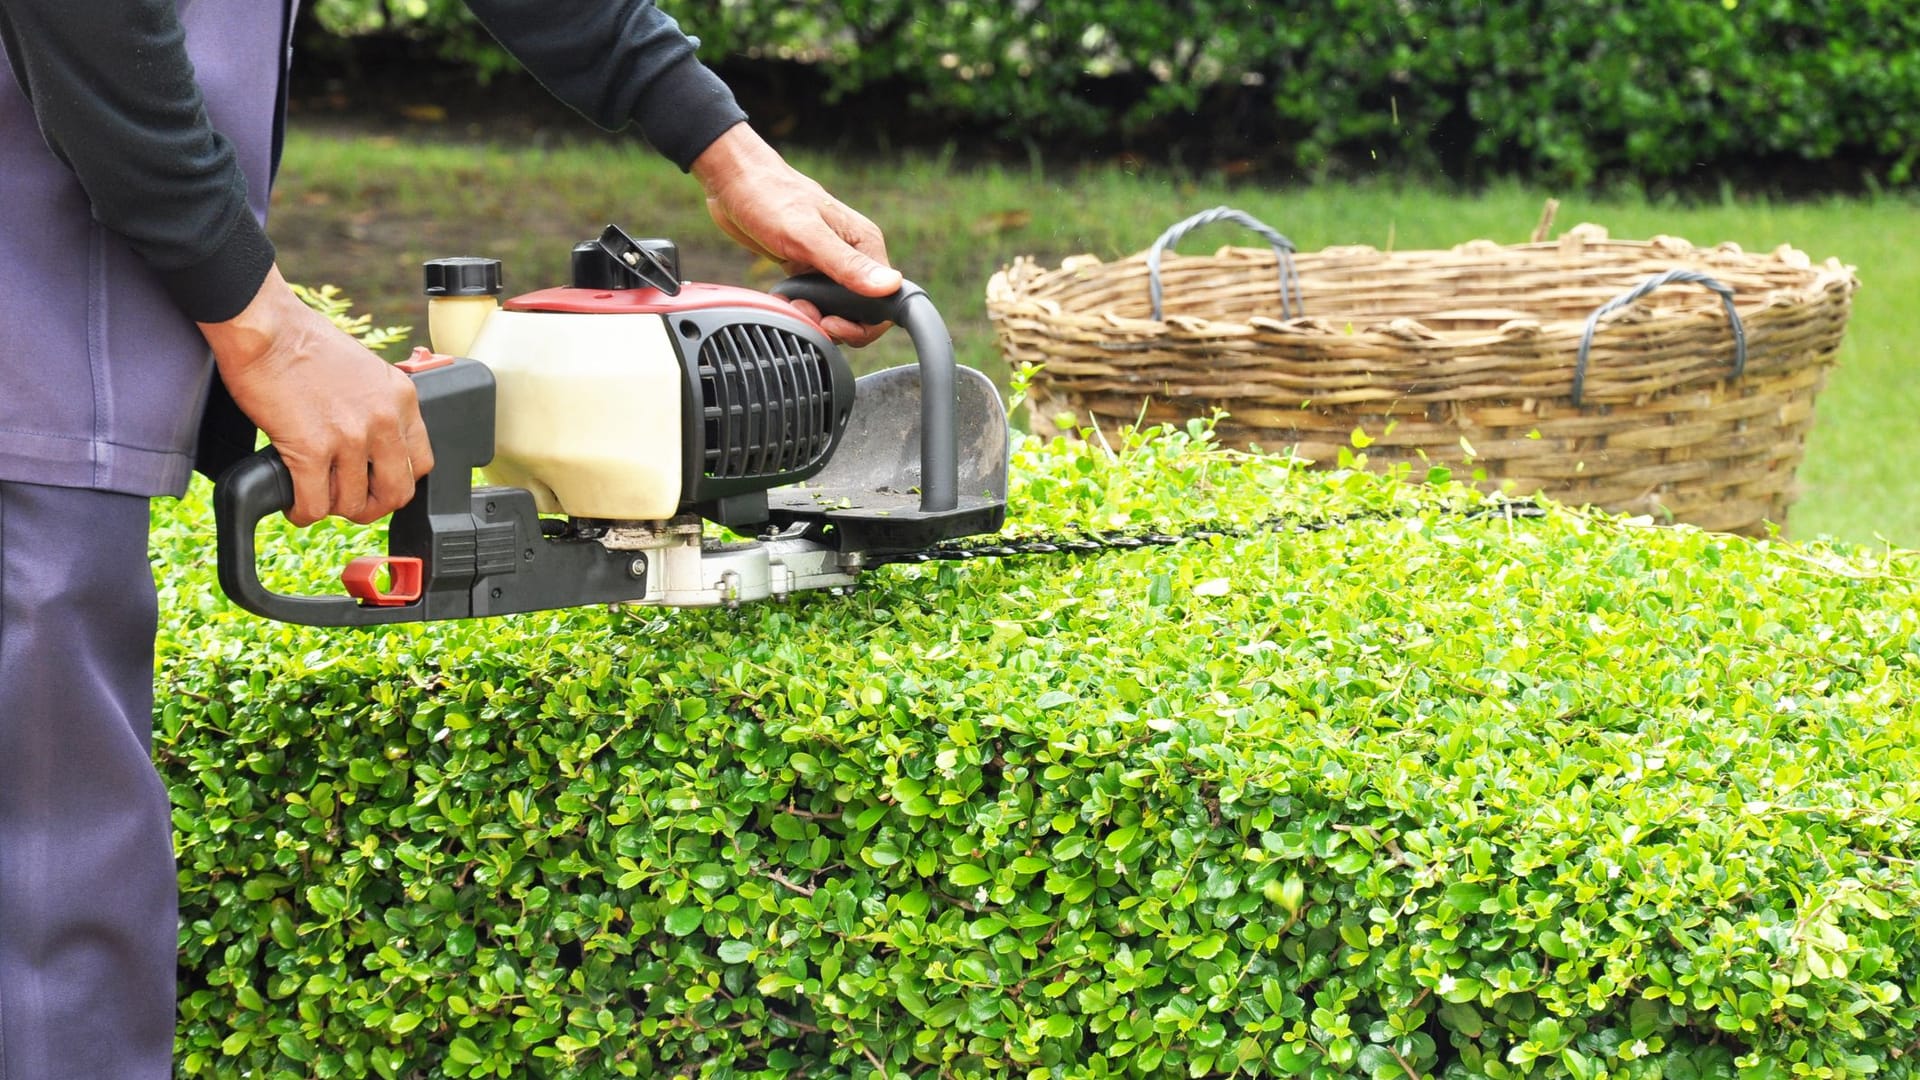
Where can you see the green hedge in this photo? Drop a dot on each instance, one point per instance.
(1407, 796)
(1569, 90)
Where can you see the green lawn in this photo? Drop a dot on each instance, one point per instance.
(362, 212)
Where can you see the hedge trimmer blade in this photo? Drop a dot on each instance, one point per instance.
(1083, 544)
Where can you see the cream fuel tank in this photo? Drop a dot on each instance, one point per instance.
(612, 418)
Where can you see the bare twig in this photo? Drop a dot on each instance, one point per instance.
(781, 879)
(797, 1025)
(1545, 228)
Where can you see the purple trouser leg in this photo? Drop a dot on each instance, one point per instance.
(88, 923)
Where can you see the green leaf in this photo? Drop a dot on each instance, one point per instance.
(1159, 590)
(462, 1051)
(967, 875)
(1350, 861)
(987, 926)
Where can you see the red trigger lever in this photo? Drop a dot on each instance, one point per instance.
(406, 575)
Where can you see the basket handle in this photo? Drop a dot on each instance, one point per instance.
(1282, 252)
(1642, 289)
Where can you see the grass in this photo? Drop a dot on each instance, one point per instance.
(363, 211)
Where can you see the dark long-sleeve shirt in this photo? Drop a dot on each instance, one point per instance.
(114, 94)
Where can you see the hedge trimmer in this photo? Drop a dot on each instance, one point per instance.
(614, 418)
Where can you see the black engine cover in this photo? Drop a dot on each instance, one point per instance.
(766, 401)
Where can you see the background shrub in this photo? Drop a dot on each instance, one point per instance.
(1568, 90)
(1404, 796)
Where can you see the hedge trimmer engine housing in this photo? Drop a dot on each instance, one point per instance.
(613, 418)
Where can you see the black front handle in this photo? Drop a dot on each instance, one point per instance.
(833, 298)
(914, 311)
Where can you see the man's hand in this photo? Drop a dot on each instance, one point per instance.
(346, 423)
(772, 209)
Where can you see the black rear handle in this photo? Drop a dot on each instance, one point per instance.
(246, 494)
(455, 551)
(456, 405)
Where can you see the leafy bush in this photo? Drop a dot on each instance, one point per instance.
(447, 26)
(1414, 794)
(1570, 91)
(328, 300)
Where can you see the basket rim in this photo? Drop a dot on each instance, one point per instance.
(1018, 288)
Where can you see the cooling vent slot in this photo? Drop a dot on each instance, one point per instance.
(766, 401)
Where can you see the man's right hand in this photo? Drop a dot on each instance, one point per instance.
(346, 422)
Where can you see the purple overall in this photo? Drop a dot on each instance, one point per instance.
(102, 383)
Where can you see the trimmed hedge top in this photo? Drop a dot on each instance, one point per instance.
(1410, 795)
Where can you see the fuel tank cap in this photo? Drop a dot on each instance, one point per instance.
(463, 276)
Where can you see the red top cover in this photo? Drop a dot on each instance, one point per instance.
(694, 296)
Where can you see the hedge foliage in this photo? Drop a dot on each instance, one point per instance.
(1569, 90)
(1412, 795)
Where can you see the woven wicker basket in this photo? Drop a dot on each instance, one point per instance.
(1689, 406)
